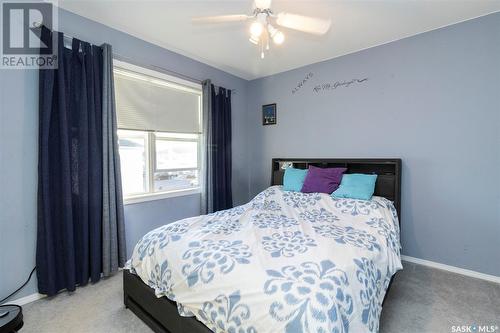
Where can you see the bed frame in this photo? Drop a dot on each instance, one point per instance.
(161, 315)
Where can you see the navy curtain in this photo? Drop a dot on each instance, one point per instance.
(217, 116)
(69, 235)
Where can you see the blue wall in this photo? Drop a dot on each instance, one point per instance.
(18, 150)
(433, 100)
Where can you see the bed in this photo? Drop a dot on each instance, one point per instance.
(284, 262)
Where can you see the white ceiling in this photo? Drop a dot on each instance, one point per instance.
(356, 25)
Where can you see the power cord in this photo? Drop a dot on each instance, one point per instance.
(21, 287)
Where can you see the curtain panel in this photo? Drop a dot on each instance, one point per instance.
(113, 227)
(217, 194)
(79, 224)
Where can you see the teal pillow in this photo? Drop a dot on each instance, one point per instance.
(356, 186)
(294, 179)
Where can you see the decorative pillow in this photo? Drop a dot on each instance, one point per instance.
(294, 179)
(356, 186)
(322, 180)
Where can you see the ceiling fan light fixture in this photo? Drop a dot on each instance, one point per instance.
(278, 38)
(256, 29)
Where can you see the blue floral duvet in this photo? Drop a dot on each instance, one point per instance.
(284, 262)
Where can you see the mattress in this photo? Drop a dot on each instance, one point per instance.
(284, 262)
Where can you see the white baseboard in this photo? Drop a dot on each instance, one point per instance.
(36, 296)
(26, 299)
(453, 269)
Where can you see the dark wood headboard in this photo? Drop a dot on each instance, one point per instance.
(388, 170)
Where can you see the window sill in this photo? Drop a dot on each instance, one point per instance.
(158, 196)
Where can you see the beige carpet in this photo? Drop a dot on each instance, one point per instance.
(421, 300)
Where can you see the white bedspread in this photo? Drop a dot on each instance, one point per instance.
(284, 262)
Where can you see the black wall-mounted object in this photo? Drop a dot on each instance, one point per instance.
(269, 114)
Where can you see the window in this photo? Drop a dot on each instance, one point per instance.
(159, 133)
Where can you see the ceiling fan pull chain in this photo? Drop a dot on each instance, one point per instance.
(267, 40)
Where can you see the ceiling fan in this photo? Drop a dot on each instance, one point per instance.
(262, 28)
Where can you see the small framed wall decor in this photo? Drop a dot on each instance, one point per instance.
(269, 114)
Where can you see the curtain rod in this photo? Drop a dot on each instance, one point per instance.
(68, 38)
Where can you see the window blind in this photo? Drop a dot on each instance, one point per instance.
(147, 103)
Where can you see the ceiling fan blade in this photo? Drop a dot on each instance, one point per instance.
(308, 24)
(220, 18)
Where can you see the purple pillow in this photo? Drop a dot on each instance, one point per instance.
(322, 180)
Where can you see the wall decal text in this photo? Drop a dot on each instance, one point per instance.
(329, 86)
(302, 82)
